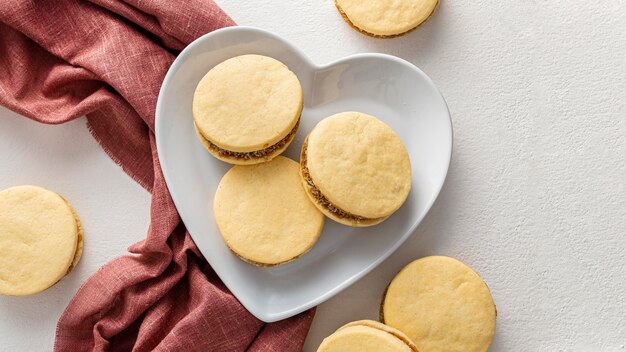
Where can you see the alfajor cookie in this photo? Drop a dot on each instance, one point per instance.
(442, 305)
(246, 109)
(41, 239)
(386, 18)
(355, 169)
(264, 215)
(367, 336)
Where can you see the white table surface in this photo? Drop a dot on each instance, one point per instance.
(535, 200)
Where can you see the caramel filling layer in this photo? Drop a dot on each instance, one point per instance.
(319, 197)
(257, 154)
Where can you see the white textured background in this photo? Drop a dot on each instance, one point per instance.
(536, 196)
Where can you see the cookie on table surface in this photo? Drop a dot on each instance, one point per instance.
(355, 169)
(263, 213)
(442, 305)
(41, 239)
(367, 336)
(386, 18)
(247, 109)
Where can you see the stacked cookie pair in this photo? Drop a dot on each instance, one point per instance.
(269, 209)
(386, 18)
(41, 240)
(434, 304)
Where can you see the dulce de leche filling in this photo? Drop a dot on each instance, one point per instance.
(257, 154)
(319, 197)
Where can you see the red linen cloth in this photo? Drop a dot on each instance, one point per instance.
(106, 59)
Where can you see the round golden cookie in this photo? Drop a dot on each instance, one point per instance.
(355, 169)
(264, 215)
(442, 305)
(246, 109)
(386, 18)
(367, 336)
(41, 239)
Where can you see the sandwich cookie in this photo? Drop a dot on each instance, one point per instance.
(246, 109)
(386, 18)
(367, 336)
(264, 215)
(442, 305)
(41, 240)
(355, 169)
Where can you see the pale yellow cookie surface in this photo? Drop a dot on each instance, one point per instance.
(366, 336)
(263, 213)
(442, 305)
(359, 164)
(247, 103)
(40, 239)
(386, 17)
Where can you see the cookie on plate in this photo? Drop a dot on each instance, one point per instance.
(247, 109)
(442, 305)
(386, 18)
(367, 336)
(355, 169)
(264, 215)
(41, 239)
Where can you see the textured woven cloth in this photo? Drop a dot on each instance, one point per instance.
(60, 60)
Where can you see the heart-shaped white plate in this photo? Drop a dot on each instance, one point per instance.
(381, 85)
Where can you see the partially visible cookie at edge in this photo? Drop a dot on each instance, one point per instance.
(385, 18)
(41, 239)
(367, 336)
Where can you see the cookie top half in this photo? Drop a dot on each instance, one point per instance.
(359, 164)
(40, 238)
(264, 214)
(247, 103)
(367, 336)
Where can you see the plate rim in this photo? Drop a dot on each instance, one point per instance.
(272, 317)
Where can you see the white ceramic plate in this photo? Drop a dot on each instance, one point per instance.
(381, 85)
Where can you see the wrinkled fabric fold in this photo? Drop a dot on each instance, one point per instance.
(104, 59)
